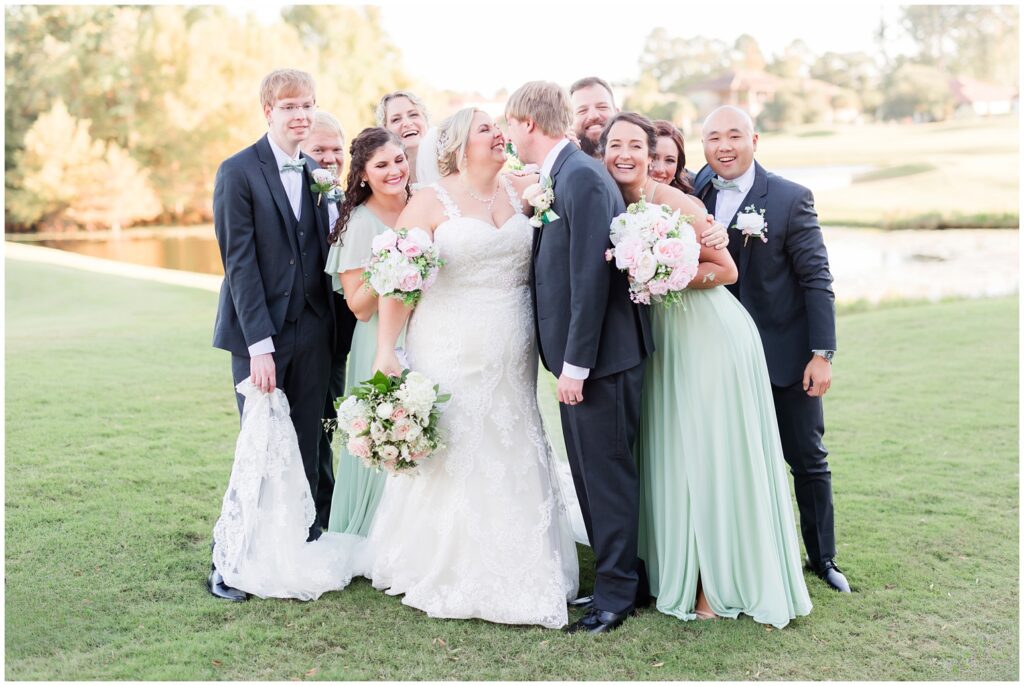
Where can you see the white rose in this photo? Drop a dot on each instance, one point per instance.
(750, 223)
(384, 410)
(322, 176)
(646, 266)
(534, 194)
(388, 452)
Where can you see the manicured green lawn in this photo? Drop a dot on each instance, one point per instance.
(120, 430)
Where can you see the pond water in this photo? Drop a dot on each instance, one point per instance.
(867, 264)
(190, 250)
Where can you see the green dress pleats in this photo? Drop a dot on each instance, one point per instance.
(715, 499)
(357, 488)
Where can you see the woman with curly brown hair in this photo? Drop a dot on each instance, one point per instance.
(376, 192)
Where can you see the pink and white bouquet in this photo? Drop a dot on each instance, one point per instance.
(391, 422)
(403, 264)
(658, 248)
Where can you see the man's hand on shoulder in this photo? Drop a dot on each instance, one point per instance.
(715, 235)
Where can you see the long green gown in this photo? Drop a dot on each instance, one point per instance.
(714, 498)
(357, 488)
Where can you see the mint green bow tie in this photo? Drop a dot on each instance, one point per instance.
(724, 185)
(295, 165)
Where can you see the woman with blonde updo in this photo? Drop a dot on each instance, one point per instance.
(404, 114)
(482, 531)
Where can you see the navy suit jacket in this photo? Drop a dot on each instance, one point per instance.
(254, 224)
(786, 283)
(584, 314)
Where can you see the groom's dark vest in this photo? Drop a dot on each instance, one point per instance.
(309, 283)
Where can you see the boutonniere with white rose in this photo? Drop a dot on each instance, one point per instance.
(324, 181)
(750, 222)
(541, 196)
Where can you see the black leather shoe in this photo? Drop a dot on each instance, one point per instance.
(598, 622)
(218, 589)
(583, 602)
(833, 576)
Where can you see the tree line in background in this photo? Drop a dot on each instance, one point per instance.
(120, 115)
(950, 41)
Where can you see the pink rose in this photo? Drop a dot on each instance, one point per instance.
(359, 446)
(680, 278)
(401, 430)
(408, 248)
(409, 279)
(669, 251)
(399, 413)
(359, 425)
(418, 455)
(658, 287)
(627, 252)
(661, 227)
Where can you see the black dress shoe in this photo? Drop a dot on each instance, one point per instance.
(584, 601)
(218, 589)
(833, 576)
(598, 622)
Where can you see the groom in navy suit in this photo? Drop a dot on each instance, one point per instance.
(276, 313)
(594, 340)
(786, 285)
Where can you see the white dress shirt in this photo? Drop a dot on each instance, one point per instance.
(727, 202)
(292, 183)
(570, 370)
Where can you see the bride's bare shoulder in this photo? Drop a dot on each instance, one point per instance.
(424, 210)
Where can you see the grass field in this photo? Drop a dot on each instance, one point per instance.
(120, 429)
(955, 173)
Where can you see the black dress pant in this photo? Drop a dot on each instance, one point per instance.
(599, 435)
(302, 359)
(801, 428)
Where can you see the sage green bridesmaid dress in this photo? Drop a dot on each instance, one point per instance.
(715, 500)
(357, 489)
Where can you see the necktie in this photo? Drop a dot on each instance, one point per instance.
(724, 185)
(294, 165)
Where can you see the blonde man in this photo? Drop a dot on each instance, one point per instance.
(594, 340)
(275, 314)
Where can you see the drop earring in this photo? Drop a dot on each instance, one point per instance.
(362, 184)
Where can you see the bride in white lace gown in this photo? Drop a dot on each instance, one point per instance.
(483, 530)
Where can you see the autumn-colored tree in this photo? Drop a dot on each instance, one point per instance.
(67, 177)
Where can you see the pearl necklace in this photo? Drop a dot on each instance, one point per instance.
(486, 201)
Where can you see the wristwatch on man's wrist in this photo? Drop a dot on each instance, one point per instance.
(827, 354)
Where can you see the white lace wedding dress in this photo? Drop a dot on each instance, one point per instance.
(483, 531)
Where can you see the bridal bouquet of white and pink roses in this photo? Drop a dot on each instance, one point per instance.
(658, 248)
(403, 264)
(390, 422)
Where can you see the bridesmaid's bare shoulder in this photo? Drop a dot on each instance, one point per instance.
(678, 200)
